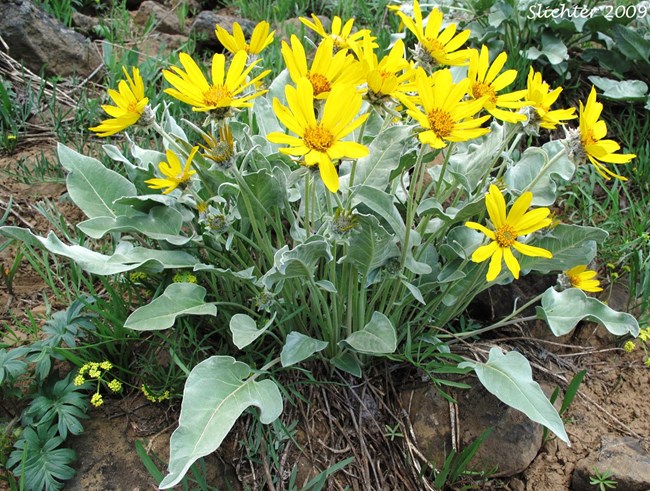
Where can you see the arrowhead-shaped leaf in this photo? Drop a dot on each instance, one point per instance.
(299, 347)
(178, 299)
(510, 378)
(93, 187)
(563, 310)
(217, 391)
(244, 329)
(377, 337)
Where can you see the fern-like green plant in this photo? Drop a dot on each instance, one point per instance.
(38, 458)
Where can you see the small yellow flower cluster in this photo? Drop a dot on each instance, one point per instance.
(644, 340)
(184, 277)
(96, 371)
(153, 397)
(138, 276)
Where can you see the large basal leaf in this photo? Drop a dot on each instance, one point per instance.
(267, 192)
(510, 378)
(244, 329)
(472, 160)
(571, 245)
(528, 169)
(385, 151)
(622, 90)
(299, 262)
(125, 258)
(178, 299)
(563, 310)
(217, 391)
(377, 337)
(298, 347)
(93, 187)
(161, 223)
(370, 245)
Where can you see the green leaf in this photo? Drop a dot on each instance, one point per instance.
(299, 347)
(299, 262)
(625, 90)
(630, 43)
(161, 223)
(471, 161)
(552, 48)
(161, 313)
(510, 378)
(570, 245)
(377, 337)
(527, 170)
(348, 363)
(126, 256)
(385, 151)
(93, 187)
(217, 392)
(563, 310)
(370, 245)
(380, 203)
(244, 329)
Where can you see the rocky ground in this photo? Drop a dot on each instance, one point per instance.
(608, 423)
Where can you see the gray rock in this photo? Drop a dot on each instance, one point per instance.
(39, 41)
(84, 24)
(511, 447)
(165, 19)
(627, 458)
(204, 23)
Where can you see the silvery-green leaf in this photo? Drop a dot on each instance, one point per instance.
(453, 214)
(217, 391)
(125, 258)
(563, 310)
(145, 157)
(348, 363)
(377, 337)
(461, 242)
(370, 245)
(385, 151)
(266, 121)
(299, 347)
(161, 223)
(472, 160)
(246, 274)
(326, 285)
(510, 378)
(380, 203)
(266, 192)
(171, 126)
(570, 245)
(552, 47)
(527, 170)
(178, 299)
(93, 187)
(299, 262)
(145, 202)
(278, 85)
(244, 329)
(624, 90)
(415, 291)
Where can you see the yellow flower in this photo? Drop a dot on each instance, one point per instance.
(486, 82)
(644, 334)
(106, 365)
(226, 92)
(629, 346)
(507, 228)
(445, 116)
(115, 385)
(327, 69)
(539, 96)
(341, 34)
(440, 46)
(592, 132)
(130, 103)
(646, 362)
(79, 380)
(175, 174)
(236, 41)
(320, 142)
(389, 78)
(583, 278)
(97, 400)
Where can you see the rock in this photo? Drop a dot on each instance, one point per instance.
(511, 447)
(84, 24)
(204, 23)
(39, 41)
(627, 458)
(165, 19)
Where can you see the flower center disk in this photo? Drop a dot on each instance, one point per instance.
(216, 95)
(319, 83)
(440, 122)
(505, 235)
(318, 138)
(479, 89)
